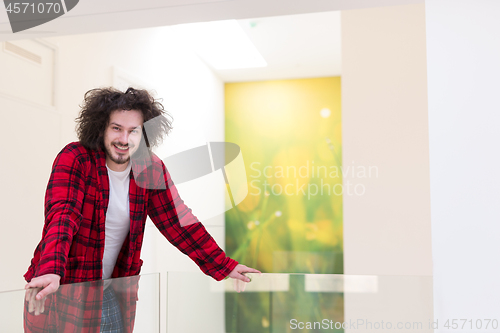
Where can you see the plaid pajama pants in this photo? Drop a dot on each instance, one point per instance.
(111, 320)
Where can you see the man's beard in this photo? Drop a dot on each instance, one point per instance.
(121, 159)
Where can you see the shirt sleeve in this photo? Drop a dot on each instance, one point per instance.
(63, 205)
(178, 224)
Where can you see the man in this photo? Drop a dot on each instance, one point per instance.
(98, 199)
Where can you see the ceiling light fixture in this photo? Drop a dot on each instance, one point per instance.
(222, 44)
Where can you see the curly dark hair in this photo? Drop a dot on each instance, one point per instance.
(99, 103)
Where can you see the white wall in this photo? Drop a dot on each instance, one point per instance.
(387, 230)
(384, 125)
(30, 140)
(463, 55)
(190, 92)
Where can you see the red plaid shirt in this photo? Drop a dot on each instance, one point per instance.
(76, 201)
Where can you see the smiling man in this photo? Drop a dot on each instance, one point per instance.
(96, 206)
(122, 137)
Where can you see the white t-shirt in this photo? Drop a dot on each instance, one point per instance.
(117, 218)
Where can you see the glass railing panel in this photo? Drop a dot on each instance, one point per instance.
(274, 303)
(11, 311)
(130, 304)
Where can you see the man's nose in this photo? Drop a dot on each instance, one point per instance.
(124, 137)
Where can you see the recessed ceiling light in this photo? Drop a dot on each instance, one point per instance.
(222, 44)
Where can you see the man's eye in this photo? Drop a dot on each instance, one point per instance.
(116, 128)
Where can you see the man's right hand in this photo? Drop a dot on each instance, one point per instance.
(38, 289)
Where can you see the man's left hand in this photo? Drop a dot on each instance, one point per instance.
(238, 274)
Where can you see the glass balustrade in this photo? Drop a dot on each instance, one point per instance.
(131, 304)
(274, 303)
(270, 303)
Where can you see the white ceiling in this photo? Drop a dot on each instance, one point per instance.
(299, 38)
(294, 46)
(110, 15)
